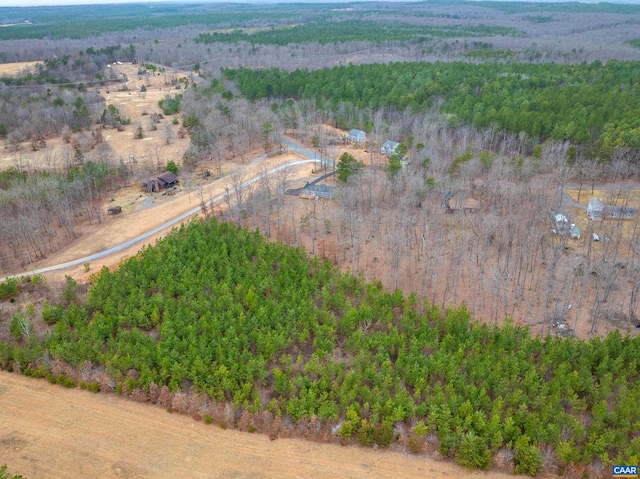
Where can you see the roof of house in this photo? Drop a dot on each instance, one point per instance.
(355, 132)
(167, 177)
(559, 217)
(323, 191)
(620, 209)
(464, 204)
(392, 145)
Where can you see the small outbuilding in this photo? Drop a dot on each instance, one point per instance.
(463, 205)
(389, 147)
(575, 232)
(357, 136)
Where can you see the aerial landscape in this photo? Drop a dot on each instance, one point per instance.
(369, 239)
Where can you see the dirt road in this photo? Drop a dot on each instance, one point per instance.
(47, 431)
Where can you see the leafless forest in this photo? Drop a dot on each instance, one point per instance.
(500, 260)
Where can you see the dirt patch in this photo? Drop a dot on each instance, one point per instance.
(75, 434)
(150, 151)
(143, 212)
(11, 69)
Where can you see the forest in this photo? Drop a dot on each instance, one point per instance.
(220, 312)
(382, 317)
(593, 104)
(348, 31)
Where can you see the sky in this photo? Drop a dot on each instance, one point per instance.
(31, 3)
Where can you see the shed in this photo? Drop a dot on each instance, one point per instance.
(575, 232)
(389, 147)
(468, 205)
(357, 136)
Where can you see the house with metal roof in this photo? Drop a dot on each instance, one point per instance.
(357, 136)
(597, 210)
(389, 147)
(167, 179)
(318, 191)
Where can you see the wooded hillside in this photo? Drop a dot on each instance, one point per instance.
(217, 312)
(590, 104)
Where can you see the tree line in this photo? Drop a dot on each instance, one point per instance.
(588, 104)
(353, 30)
(40, 211)
(217, 311)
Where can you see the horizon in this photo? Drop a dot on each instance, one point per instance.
(62, 3)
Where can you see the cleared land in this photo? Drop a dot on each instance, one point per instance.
(69, 433)
(8, 69)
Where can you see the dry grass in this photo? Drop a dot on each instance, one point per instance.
(75, 434)
(10, 69)
(623, 231)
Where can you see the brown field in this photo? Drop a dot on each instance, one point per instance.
(9, 69)
(51, 432)
(131, 103)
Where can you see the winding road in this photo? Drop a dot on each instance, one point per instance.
(291, 146)
(168, 224)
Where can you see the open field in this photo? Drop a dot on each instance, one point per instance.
(9, 69)
(69, 433)
(132, 103)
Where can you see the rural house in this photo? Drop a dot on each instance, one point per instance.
(357, 136)
(389, 147)
(318, 191)
(560, 223)
(596, 210)
(619, 212)
(165, 180)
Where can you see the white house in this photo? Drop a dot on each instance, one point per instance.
(389, 147)
(560, 223)
(595, 209)
(357, 136)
